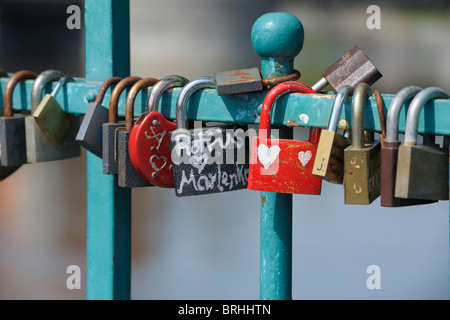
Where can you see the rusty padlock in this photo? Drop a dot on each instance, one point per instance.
(350, 70)
(361, 160)
(422, 171)
(128, 176)
(282, 165)
(149, 144)
(90, 134)
(329, 162)
(389, 151)
(109, 133)
(12, 126)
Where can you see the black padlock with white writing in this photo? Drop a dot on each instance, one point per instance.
(209, 159)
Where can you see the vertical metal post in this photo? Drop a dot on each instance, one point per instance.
(277, 38)
(107, 36)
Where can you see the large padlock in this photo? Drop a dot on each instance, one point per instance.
(39, 147)
(128, 176)
(282, 165)
(389, 151)
(207, 160)
(12, 126)
(149, 144)
(329, 162)
(90, 133)
(109, 134)
(422, 171)
(361, 160)
(49, 115)
(353, 68)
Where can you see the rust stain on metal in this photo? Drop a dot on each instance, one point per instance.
(343, 124)
(292, 124)
(263, 201)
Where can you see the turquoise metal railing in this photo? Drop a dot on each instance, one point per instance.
(109, 207)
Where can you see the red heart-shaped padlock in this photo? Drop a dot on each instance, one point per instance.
(149, 144)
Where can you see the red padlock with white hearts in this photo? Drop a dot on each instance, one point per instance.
(149, 145)
(282, 165)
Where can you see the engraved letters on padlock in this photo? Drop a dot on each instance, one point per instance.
(329, 163)
(361, 161)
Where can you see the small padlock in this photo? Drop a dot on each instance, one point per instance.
(350, 70)
(422, 171)
(329, 162)
(12, 126)
(149, 144)
(109, 135)
(90, 133)
(207, 160)
(247, 80)
(128, 176)
(282, 165)
(49, 115)
(39, 147)
(361, 161)
(389, 151)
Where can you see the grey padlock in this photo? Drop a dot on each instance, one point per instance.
(39, 147)
(128, 176)
(12, 126)
(109, 134)
(90, 133)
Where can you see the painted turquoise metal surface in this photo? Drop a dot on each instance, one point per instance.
(277, 37)
(243, 108)
(108, 206)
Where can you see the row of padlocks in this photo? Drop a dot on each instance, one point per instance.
(154, 151)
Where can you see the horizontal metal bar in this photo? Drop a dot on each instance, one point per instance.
(306, 110)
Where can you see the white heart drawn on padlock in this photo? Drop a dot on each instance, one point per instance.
(267, 155)
(304, 157)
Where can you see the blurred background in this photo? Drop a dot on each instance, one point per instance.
(207, 247)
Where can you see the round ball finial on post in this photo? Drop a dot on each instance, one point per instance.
(277, 37)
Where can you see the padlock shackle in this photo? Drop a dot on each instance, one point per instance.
(9, 90)
(60, 84)
(360, 94)
(41, 81)
(185, 93)
(104, 87)
(160, 87)
(269, 100)
(412, 117)
(337, 105)
(115, 96)
(131, 97)
(393, 114)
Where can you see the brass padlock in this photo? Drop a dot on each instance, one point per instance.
(39, 147)
(329, 162)
(49, 115)
(422, 171)
(361, 161)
